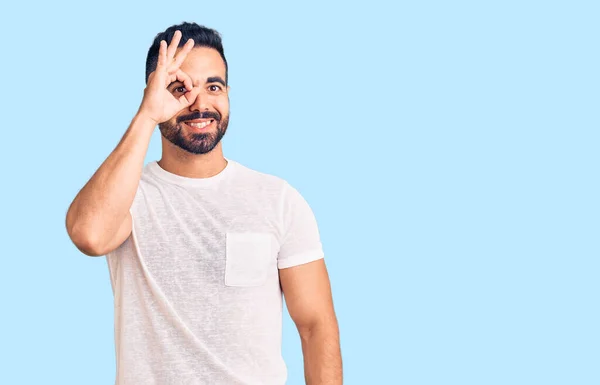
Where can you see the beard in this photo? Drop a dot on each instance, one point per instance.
(195, 142)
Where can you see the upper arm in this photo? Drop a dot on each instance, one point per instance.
(302, 272)
(307, 292)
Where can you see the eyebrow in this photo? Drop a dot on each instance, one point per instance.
(212, 79)
(216, 79)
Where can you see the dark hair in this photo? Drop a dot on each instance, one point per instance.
(203, 37)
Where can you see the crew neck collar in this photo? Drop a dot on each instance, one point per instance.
(169, 177)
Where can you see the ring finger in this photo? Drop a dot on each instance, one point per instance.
(178, 59)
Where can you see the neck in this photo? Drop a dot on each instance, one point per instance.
(182, 163)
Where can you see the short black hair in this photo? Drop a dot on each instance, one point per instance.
(203, 37)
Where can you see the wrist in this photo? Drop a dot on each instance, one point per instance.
(145, 119)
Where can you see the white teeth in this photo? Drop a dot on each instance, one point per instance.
(200, 125)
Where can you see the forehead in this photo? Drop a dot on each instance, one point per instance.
(202, 63)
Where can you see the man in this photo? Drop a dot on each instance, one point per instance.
(200, 247)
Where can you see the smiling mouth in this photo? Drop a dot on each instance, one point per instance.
(199, 124)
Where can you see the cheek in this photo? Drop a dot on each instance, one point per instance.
(222, 105)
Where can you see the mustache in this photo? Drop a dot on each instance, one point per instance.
(200, 115)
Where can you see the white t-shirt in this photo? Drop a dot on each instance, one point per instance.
(196, 284)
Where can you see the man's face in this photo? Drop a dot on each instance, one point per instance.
(186, 129)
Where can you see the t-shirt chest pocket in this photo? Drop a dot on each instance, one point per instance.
(248, 258)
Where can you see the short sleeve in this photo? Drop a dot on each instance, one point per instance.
(301, 242)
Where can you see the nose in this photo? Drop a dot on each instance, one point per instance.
(201, 103)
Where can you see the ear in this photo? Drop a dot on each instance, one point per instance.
(228, 87)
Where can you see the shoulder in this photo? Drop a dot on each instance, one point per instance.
(260, 179)
(259, 183)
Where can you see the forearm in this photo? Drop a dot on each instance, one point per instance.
(102, 204)
(322, 355)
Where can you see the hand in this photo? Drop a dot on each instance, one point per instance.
(158, 103)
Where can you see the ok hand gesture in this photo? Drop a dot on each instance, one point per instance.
(158, 103)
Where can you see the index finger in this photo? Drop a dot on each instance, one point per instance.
(185, 79)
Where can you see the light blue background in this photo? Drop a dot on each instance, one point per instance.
(449, 151)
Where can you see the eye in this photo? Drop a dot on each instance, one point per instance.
(214, 88)
(180, 89)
